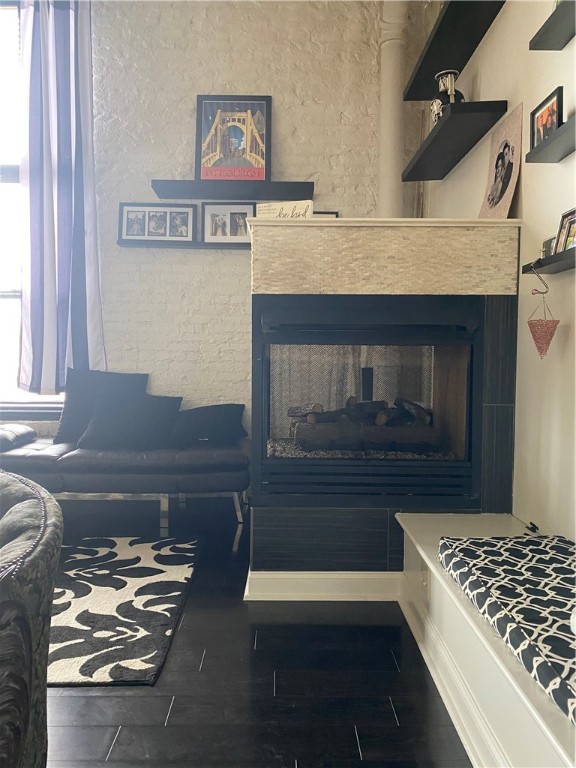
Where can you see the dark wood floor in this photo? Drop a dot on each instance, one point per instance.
(259, 685)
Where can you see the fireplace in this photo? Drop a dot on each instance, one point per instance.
(367, 402)
(371, 400)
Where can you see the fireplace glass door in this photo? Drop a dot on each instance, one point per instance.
(377, 401)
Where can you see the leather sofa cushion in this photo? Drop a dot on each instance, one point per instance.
(15, 435)
(40, 456)
(196, 482)
(161, 461)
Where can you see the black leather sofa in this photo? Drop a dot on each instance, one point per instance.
(69, 472)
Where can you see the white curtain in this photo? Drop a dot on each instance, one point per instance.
(61, 302)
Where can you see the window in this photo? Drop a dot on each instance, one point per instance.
(12, 207)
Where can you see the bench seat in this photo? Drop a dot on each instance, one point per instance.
(65, 470)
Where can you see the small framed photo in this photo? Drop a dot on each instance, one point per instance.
(325, 214)
(566, 230)
(160, 225)
(233, 135)
(226, 223)
(546, 118)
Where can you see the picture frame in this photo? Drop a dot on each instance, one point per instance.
(546, 118)
(233, 138)
(503, 166)
(157, 225)
(225, 224)
(326, 214)
(566, 231)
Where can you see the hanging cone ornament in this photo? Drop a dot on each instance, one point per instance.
(543, 329)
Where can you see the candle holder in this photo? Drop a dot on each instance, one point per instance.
(447, 93)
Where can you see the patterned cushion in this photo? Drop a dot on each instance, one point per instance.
(524, 586)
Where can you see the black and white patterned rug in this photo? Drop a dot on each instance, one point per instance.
(117, 602)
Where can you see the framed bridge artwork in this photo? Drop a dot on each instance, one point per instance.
(233, 135)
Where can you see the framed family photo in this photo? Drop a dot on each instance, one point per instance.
(566, 231)
(156, 225)
(546, 118)
(503, 166)
(226, 223)
(233, 135)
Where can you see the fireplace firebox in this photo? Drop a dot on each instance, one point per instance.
(378, 400)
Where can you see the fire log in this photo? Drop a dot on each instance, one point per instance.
(393, 417)
(342, 435)
(415, 437)
(419, 413)
(359, 412)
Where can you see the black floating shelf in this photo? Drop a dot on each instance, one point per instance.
(557, 146)
(558, 29)
(458, 30)
(458, 130)
(550, 265)
(183, 189)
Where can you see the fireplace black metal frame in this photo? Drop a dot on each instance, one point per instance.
(486, 323)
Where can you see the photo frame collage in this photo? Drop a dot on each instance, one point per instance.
(233, 145)
(163, 225)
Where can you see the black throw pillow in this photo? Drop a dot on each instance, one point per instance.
(140, 423)
(82, 390)
(208, 425)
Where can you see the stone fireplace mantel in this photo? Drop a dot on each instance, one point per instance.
(385, 256)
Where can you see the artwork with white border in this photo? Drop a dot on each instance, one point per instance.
(226, 223)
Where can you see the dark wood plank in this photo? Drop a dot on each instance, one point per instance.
(188, 189)
(458, 130)
(558, 29)
(250, 685)
(458, 30)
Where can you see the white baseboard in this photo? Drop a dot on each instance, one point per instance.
(323, 585)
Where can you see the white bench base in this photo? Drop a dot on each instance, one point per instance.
(501, 714)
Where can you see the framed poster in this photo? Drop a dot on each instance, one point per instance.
(233, 135)
(226, 223)
(160, 225)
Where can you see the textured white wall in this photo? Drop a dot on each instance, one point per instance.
(184, 315)
(504, 68)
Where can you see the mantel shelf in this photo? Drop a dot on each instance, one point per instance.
(550, 265)
(558, 29)
(557, 146)
(456, 34)
(458, 130)
(184, 189)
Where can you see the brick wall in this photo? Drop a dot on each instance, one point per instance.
(184, 315)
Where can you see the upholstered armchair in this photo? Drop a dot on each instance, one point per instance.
(30, 540)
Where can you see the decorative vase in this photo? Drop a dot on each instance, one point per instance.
(543, 332)
(447, 93)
